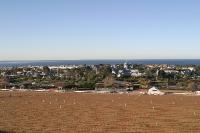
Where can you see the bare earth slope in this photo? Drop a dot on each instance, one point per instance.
(34, 112)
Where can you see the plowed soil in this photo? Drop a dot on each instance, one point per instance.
(42, 112)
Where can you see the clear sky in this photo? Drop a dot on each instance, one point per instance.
(99, 29)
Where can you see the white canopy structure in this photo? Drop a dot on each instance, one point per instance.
(154, 91)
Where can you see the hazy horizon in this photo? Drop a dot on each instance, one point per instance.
(99, 29)
(19, 60)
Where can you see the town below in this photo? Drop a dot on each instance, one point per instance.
(102, 78)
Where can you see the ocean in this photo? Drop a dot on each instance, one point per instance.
(96, 62)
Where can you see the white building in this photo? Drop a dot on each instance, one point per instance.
(125, 65)
(135, 73)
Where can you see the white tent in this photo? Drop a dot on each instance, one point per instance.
(154, 91)
(197, 92)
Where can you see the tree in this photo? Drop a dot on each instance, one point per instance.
(161, 74)
(46, 70)
(104, 71)
(192, 87)
(108, 81)
(4, 82)
(197, 70)
(150, 73)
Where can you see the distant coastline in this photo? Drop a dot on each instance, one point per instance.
(96, 62)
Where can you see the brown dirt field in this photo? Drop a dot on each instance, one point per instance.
(34, 112)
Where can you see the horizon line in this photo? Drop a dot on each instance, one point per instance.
(101, 59)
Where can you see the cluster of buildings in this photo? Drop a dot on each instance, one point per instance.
(40, 77)
(126, 71)
(35, 71)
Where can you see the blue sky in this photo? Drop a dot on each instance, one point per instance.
(99, 29)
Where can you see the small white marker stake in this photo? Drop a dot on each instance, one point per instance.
(194, 113)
